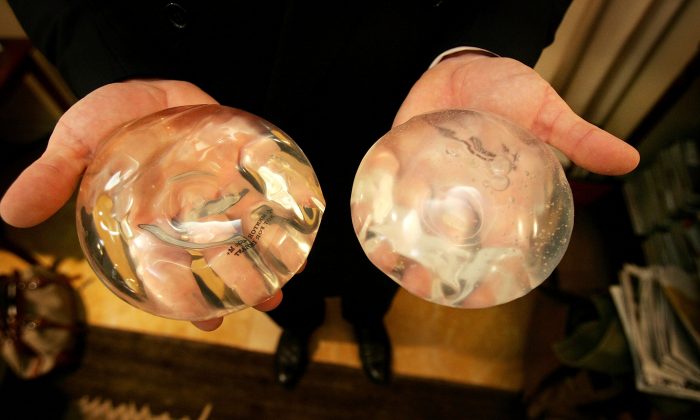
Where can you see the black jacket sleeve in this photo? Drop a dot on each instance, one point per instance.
(219, 43)
(516, 29)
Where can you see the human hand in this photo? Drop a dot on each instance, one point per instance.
(45, 186)
(515, 91)
(268, 305)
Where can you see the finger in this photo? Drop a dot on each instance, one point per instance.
(418, 280)
(167, 279)
(208, 324)
(585, 144)
(271, 303)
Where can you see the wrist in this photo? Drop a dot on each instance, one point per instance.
(463, 53)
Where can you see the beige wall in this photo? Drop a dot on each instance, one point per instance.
(9, 27)
(613, 59)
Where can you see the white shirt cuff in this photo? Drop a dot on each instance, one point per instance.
(460, 49)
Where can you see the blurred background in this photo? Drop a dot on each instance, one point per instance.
(564, 350)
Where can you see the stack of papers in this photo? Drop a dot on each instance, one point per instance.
(660, 311)
(668, 186)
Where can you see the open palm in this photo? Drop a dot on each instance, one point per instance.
(46, 185)
(49, 182)
(515, 91)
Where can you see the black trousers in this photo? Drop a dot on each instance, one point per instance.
(302, 309)
(337, 266)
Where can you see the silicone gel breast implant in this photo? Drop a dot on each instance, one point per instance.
(462, 208)
(195, 212)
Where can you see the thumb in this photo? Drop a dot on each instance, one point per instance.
(585, 144)
(44, 187)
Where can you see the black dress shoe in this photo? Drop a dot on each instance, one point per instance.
(291, 358)
(375, 352)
